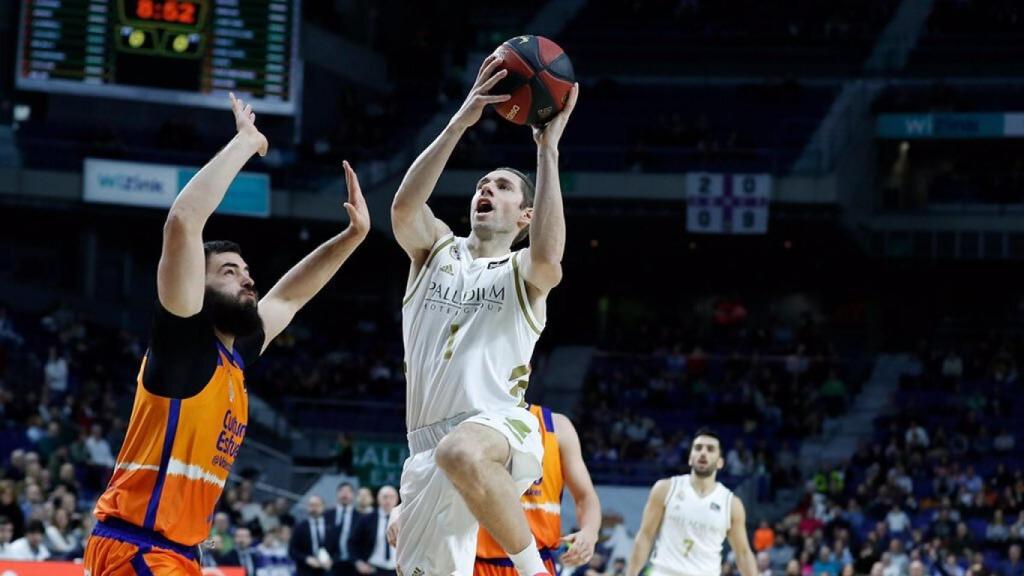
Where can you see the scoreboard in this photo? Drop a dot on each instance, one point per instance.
(168, 51)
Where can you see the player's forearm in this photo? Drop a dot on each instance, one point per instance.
(746, 564)
(204, 192)
(641, 552)
(422, 176)
(547, 229)
(588, 513)
(314, 271)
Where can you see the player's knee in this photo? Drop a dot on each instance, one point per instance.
(456, 456)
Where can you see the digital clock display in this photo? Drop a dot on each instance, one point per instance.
(172, 51)
(170, 11)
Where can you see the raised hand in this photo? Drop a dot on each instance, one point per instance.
(551, 133)
(358, 215)
(245, 123)
(480, 96)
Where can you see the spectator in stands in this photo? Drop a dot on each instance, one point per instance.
(222, 529)
(101, 457)
(898, 556)
(364, 501)
(61, 538)
(29, 548)
(944, 526)
(344, 518)
(950, 567)
(962, 539)
(9, 507)
(312, 547)
(374, 555)
(1016, 531)
(56, 374)
(7, 331)
(241, 553)
(833, 393)
(734, 458)
(781, 553)
(34, 507)
(826, 563)
(997, 531)
(1012, 566)
(916, 437)
(764, 536)
(271, 556)
(952, 366)
(897, 521)
(971, 481)
(764, 564)
(342, 454)
(6, 535)
(1004, 441)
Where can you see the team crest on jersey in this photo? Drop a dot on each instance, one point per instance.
(454, 251)
(448, 269)
(716, 507)
(494, 265)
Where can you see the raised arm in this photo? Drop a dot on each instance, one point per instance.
(414, 224)
(577, 478)
(745, 560)
(542, 264)
(306, 278)
(649, 527)
(181, 274)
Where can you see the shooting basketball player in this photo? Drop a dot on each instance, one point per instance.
(691, 516)
(542, 502)
(191, 409)
(471, 317)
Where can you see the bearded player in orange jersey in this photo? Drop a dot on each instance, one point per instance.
(191, 408)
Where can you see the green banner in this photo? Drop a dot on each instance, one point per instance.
(379, 463)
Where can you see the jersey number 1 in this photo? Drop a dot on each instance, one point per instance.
(449, 348)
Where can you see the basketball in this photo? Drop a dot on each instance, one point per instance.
(539, 79)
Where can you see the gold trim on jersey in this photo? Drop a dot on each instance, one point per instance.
(426, 266)
(523, 303)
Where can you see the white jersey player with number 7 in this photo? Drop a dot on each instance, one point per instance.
(473, 311)
(691, 516)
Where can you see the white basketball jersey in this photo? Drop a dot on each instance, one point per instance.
(692, 530)
(469, 334)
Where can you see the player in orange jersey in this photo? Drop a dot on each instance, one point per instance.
(542, 503)
(191, 408)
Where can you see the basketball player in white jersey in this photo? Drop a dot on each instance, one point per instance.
(691, 516)
(472, 314)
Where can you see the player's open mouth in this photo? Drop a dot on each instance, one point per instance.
(484, 206)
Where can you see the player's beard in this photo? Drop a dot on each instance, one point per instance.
(231, 315)
(706, 473)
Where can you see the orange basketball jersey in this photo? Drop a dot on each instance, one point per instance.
(543, 501)
(177, 455)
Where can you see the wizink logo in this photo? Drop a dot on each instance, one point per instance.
(131, 183)
(920, 125)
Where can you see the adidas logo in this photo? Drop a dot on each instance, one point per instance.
(448, 269)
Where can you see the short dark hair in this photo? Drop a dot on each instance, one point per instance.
(705, 431)
(342, 485)
(34, 527)
(529, 193)
(221, 247)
